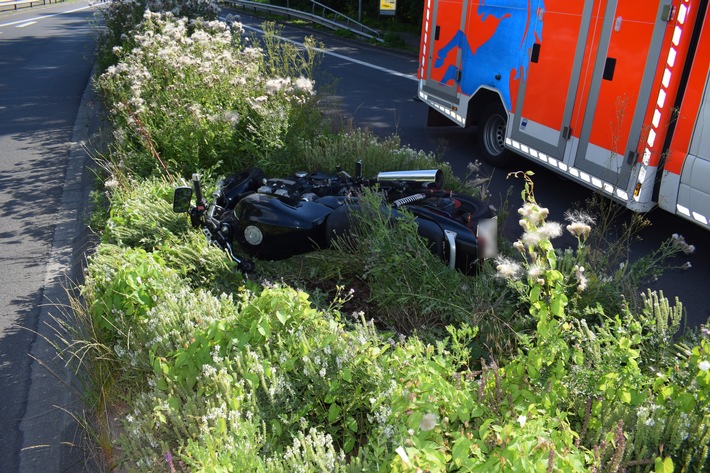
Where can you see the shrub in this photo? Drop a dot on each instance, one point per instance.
(191, 96)
(226, 374)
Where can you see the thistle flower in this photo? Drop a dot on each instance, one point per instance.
(535, 271)
(304, 85)
(531, 238)
(507, 268)
(679, 242)
(579, 229)
(533, 213)
(428, 422)
(578, 216)
(551, 230)
(473, 167)
(111, 183)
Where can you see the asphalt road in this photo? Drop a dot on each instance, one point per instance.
(376, 90)
(45, 65)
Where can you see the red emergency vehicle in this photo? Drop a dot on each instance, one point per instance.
(614, 94)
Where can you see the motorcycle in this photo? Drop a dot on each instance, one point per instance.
(281, 217)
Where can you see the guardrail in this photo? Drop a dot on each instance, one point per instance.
(13, 4)
(345, 23)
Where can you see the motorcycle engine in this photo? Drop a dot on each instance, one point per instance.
(302, 187)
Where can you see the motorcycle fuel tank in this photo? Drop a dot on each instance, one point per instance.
(272, 227)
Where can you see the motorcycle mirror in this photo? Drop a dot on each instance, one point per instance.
(181, 199)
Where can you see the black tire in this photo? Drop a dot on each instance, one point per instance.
(340, 223)
(492, 123)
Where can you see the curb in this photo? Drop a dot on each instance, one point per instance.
(52, 438)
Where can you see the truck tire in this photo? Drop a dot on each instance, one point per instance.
(491, 135)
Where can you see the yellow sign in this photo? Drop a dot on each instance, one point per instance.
(388, 7)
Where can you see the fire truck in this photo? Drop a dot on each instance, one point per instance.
(613, 94)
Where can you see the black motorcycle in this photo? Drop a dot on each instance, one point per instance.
(281, 217)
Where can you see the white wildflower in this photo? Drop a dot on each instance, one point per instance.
(532, 214)
(704, 365)
(428, 422)
(579, 216)
(579, 229)
(551, 230)
(535, 271)
(304, 85)
(522, 420)
(112, 183)
(531, 238)
(508, 268)
(679, 242)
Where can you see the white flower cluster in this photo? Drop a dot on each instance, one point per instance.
(198, 73)
(580, 223)
(680, 243)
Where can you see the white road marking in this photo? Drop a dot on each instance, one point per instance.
(43, 17)
(411, 77)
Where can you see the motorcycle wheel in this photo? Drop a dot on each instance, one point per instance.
(340, 223)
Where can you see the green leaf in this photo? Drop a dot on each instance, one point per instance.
(333, 413)
(557, 306)
(174, 403)
(162, 384)
(686, 402)
(624, 396)
(282, 317)
(535, 293)
(351, 423)
(463, 414)
(347, 374)
(483, 430)
(664, 466)
(460, 452)
(349, 444)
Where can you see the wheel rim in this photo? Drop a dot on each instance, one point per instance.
(494, 135)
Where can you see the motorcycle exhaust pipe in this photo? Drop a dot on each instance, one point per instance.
(431, 176)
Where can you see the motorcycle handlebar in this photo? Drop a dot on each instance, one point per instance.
(198, 190)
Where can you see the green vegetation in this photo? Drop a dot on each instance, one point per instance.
(370, 356)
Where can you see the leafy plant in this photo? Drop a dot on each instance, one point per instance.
(210, 102)
(540, 368)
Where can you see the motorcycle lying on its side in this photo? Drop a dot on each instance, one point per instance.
(282, 217)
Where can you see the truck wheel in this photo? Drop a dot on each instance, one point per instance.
(491, 135)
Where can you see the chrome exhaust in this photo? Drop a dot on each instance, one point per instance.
(431, 176)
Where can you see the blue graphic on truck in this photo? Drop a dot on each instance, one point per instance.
(517, 26)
